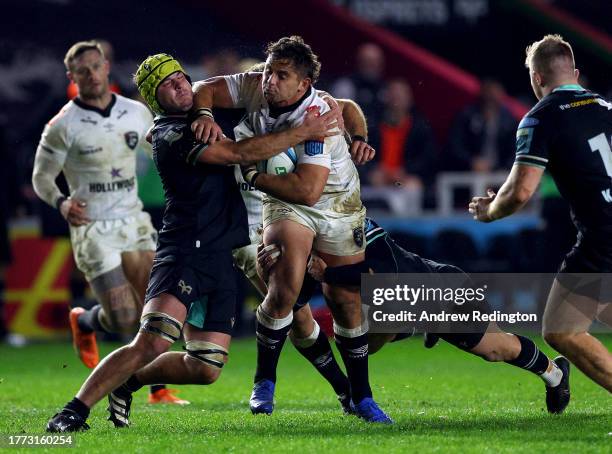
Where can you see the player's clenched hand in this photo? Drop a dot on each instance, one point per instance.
(315, 126)
(73, 211)
(267, 256)
(479, 207)
(316, 267)
(206, 130)
(335, 108)
(362, 152)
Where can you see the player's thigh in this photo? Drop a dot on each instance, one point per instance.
(568, 312)
(295, 242)
(605, 313)
(245, 259)
(116, 296)
(137, 267)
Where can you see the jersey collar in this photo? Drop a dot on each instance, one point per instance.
(569, 87)
(104, 112)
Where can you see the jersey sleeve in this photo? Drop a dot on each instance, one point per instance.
(241, 87)
(53, 144)
(316, 152)
(532, 142)
(176, 143)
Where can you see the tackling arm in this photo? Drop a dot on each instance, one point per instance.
(513, 195)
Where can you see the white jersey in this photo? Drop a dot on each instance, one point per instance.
(97, 152)
(253, 198)
(341, 193)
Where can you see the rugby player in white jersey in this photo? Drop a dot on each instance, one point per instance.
(317, 206)
(93, 140)
(305, 334)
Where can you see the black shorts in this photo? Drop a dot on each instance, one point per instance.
(204, 283)
(587, 270)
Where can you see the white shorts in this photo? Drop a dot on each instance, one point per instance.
(337, 234)
(98, 245)
(245, 258)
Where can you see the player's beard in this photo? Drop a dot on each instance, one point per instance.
(94, 92)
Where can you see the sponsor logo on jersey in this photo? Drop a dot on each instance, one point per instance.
(121, 185)
(313, 147)
(115, 173)
(131, 139)
(89, 120)
(184, 287)
(582, 103)
(122, 113)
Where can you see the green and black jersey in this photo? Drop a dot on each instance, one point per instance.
(569, 133)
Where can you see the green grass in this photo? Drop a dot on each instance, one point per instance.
(442, 401)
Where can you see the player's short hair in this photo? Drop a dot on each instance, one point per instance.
(542, 54)
(78, 49)
(300, 54)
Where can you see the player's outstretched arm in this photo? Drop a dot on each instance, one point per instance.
(207, 94)
(255, 149)
(512, 196)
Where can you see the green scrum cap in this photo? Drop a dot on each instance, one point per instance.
(151, 73)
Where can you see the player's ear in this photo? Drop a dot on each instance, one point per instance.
(69, 76)
(305, 84)
(577, 73)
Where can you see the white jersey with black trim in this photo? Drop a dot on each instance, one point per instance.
(342, 190)
(96, 150)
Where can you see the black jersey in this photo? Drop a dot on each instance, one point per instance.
(204, 210)
(568, 133)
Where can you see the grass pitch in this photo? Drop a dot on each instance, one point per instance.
(442, 400)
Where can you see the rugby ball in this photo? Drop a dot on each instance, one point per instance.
(279, 164)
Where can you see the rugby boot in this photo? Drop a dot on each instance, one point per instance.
(166, 396)
(558, 397)
(369, 411)
(84, 343)
(66, 421)
(262, 397)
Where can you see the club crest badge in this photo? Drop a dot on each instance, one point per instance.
(131, 139)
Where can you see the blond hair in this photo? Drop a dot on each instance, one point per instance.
(544, 56)
(78, 49)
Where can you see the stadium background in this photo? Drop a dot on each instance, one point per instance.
(444, 50)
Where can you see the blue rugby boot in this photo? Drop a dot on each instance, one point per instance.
(262, 397)
(369, 411)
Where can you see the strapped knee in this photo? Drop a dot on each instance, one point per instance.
(211, 354)
(162, 325)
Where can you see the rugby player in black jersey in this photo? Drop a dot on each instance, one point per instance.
(192, 281)
(383, 255)
(568, 132)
